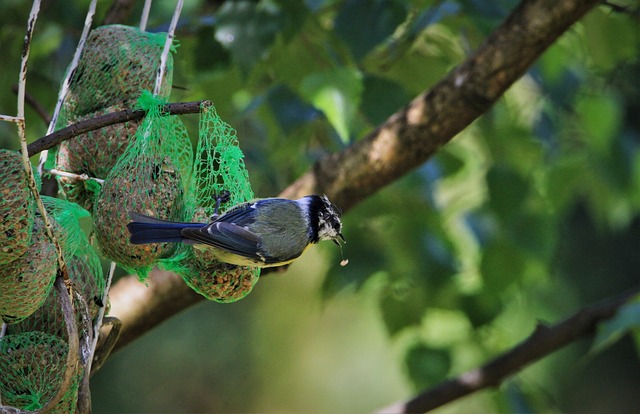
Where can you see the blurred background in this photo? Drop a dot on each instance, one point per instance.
(531, 213)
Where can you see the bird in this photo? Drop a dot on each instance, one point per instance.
(265, 232)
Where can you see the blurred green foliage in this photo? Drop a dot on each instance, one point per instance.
(530, 213)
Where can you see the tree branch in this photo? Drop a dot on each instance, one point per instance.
(411, 136)
(406, 140)
(141, 307)
(543, 341)
(92, 124)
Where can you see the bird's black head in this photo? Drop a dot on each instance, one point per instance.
(324, 219)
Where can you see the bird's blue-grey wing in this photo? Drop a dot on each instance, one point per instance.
(245, 214)
(227, 236)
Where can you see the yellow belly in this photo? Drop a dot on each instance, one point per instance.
(228, 257)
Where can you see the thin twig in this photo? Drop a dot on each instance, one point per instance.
(55, 138)
(144, 18)
(67, 80)
(26, 47)
(79, 177)
(10, 118)
(66, 300)
(22, 82)
(168, 43)
(101, 311)
(543, 341)
(84, 393)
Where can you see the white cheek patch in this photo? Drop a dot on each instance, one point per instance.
(325, 230)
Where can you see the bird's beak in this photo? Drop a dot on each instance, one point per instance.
(343, 262)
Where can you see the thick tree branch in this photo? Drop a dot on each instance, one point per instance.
(141, 307)
(406, 140)
(92, 124)
(411, 136)
(542, 342)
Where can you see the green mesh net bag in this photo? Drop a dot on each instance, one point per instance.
(32, 369)
(149, 178)
(49, 318)
(219, 166)
(17, 210)
(116, 64)
(83, 267)
(25, 283)
(65, 217)
(33, 354)
(93, 154)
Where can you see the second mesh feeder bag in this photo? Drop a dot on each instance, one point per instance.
(150, 178)
(218, 167)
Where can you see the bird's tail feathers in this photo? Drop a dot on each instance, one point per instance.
(146, 229)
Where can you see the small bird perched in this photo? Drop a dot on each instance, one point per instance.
(264, 232)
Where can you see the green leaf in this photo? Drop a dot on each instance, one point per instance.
(381, 98)
(534, 233)
(626, 320)
(48, 41)
(564, 179)
(364, 23)
(610, 38)
(426, 366)
(481, 309)
(403, 303)
(337, 93)
(289, 110)
(600, 119)
(209, 55)
(507, 191)
(517, 399)
(502, 265)
(247, 29)
(449, 162)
